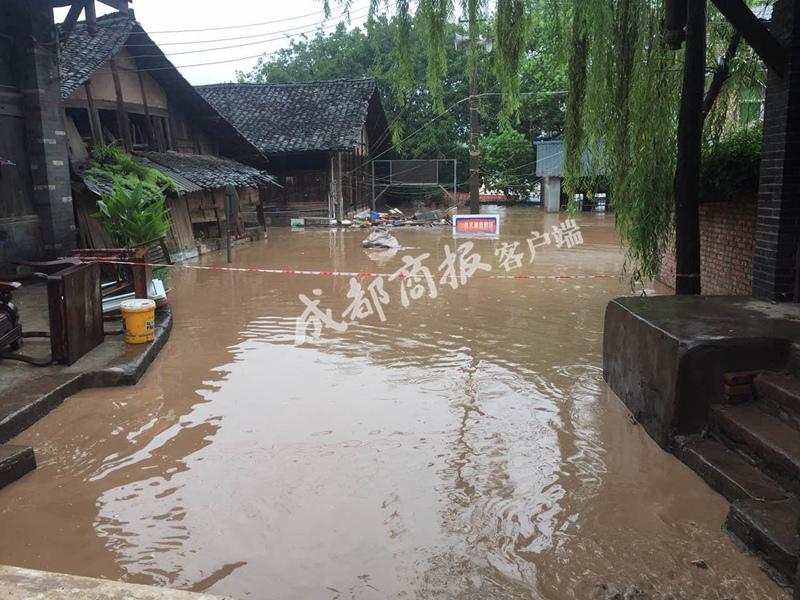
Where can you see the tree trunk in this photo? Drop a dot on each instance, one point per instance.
(690, 139)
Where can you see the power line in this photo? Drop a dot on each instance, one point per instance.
(305, 28)
(241, 26)
(316, 28)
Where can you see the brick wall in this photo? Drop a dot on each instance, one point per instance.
(727, 241)
(778, 225)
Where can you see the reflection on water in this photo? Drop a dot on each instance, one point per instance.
(465, 448)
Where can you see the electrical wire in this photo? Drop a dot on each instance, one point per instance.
(281, 35)
(240, 26)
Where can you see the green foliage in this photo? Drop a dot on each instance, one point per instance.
(411, 107)
(507, 163)
(132, 217)
(511, 33)
(730, 165)
(623, 91)
(112, 163)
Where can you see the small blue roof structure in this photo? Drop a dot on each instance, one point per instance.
(550, 159)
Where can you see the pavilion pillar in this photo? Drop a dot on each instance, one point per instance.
(551, 194)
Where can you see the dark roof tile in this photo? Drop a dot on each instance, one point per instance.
(284, 118)
(207, 172)
(83, 53)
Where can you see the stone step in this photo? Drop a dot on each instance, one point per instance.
(15, 461)
(769, 528)
(773, 444)
(727, 473)
(781, 393)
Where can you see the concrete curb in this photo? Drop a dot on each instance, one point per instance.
(35, 404)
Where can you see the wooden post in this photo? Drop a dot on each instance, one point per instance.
(340, 189)
(690, 140)
(373, 186)
(151, 137)
(230, 197)
(91, 16)
(94, 117)
(172, 135)
(122, 114)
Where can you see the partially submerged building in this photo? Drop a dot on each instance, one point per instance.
(67, 88)
(550, 168)
(319, 138)
(117, 87)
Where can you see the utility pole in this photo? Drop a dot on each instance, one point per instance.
(474, 118)
(474, 147)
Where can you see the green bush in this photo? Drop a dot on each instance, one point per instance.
(730, 166)
(114, 164)
(132, 217)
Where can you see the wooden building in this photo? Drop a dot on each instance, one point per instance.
(117, 87)
(319, 137)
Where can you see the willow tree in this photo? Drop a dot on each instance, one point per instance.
(623, 94)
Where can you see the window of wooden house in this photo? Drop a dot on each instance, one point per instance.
(138, 131)
(108, 121)
(80, 116)
(290, 180)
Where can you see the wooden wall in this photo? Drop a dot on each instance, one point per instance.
(170, 128)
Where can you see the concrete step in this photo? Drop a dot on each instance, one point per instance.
(727, 473)
(771, 442)
(780, 392)
(770, 529)
(15, 461)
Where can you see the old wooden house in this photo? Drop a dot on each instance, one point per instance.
(319, 137)
(117, 87)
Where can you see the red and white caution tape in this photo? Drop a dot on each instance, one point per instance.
(358, 274)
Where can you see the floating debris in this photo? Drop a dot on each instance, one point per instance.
(380, 238)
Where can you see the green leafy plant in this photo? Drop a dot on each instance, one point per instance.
(131, 217)
(731, 165)
(112, 163)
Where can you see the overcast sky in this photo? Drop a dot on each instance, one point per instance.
(262, 25)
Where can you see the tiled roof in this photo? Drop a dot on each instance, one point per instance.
(190, 172)
(207, 172)
(283, 118)
(83, 53)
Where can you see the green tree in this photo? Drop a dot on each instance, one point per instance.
(420, 130)
(622, 90)
(507, 163)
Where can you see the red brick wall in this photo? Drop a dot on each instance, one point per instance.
(727, 238)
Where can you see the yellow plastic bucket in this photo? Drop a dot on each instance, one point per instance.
(140, 320)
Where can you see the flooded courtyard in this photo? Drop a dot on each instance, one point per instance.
(465, 447)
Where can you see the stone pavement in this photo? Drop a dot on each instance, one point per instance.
(26, 584)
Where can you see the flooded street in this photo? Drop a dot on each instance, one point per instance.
(467, 447)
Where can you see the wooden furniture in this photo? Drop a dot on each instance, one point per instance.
(76, 311)
(131, 273)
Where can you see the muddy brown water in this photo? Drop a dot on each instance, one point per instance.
(466, 447)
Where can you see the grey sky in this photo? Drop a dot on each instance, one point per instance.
(269, 24)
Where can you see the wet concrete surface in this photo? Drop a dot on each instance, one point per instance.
(465, 447)
(28, 392)
(666, 356)
(25, 584)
